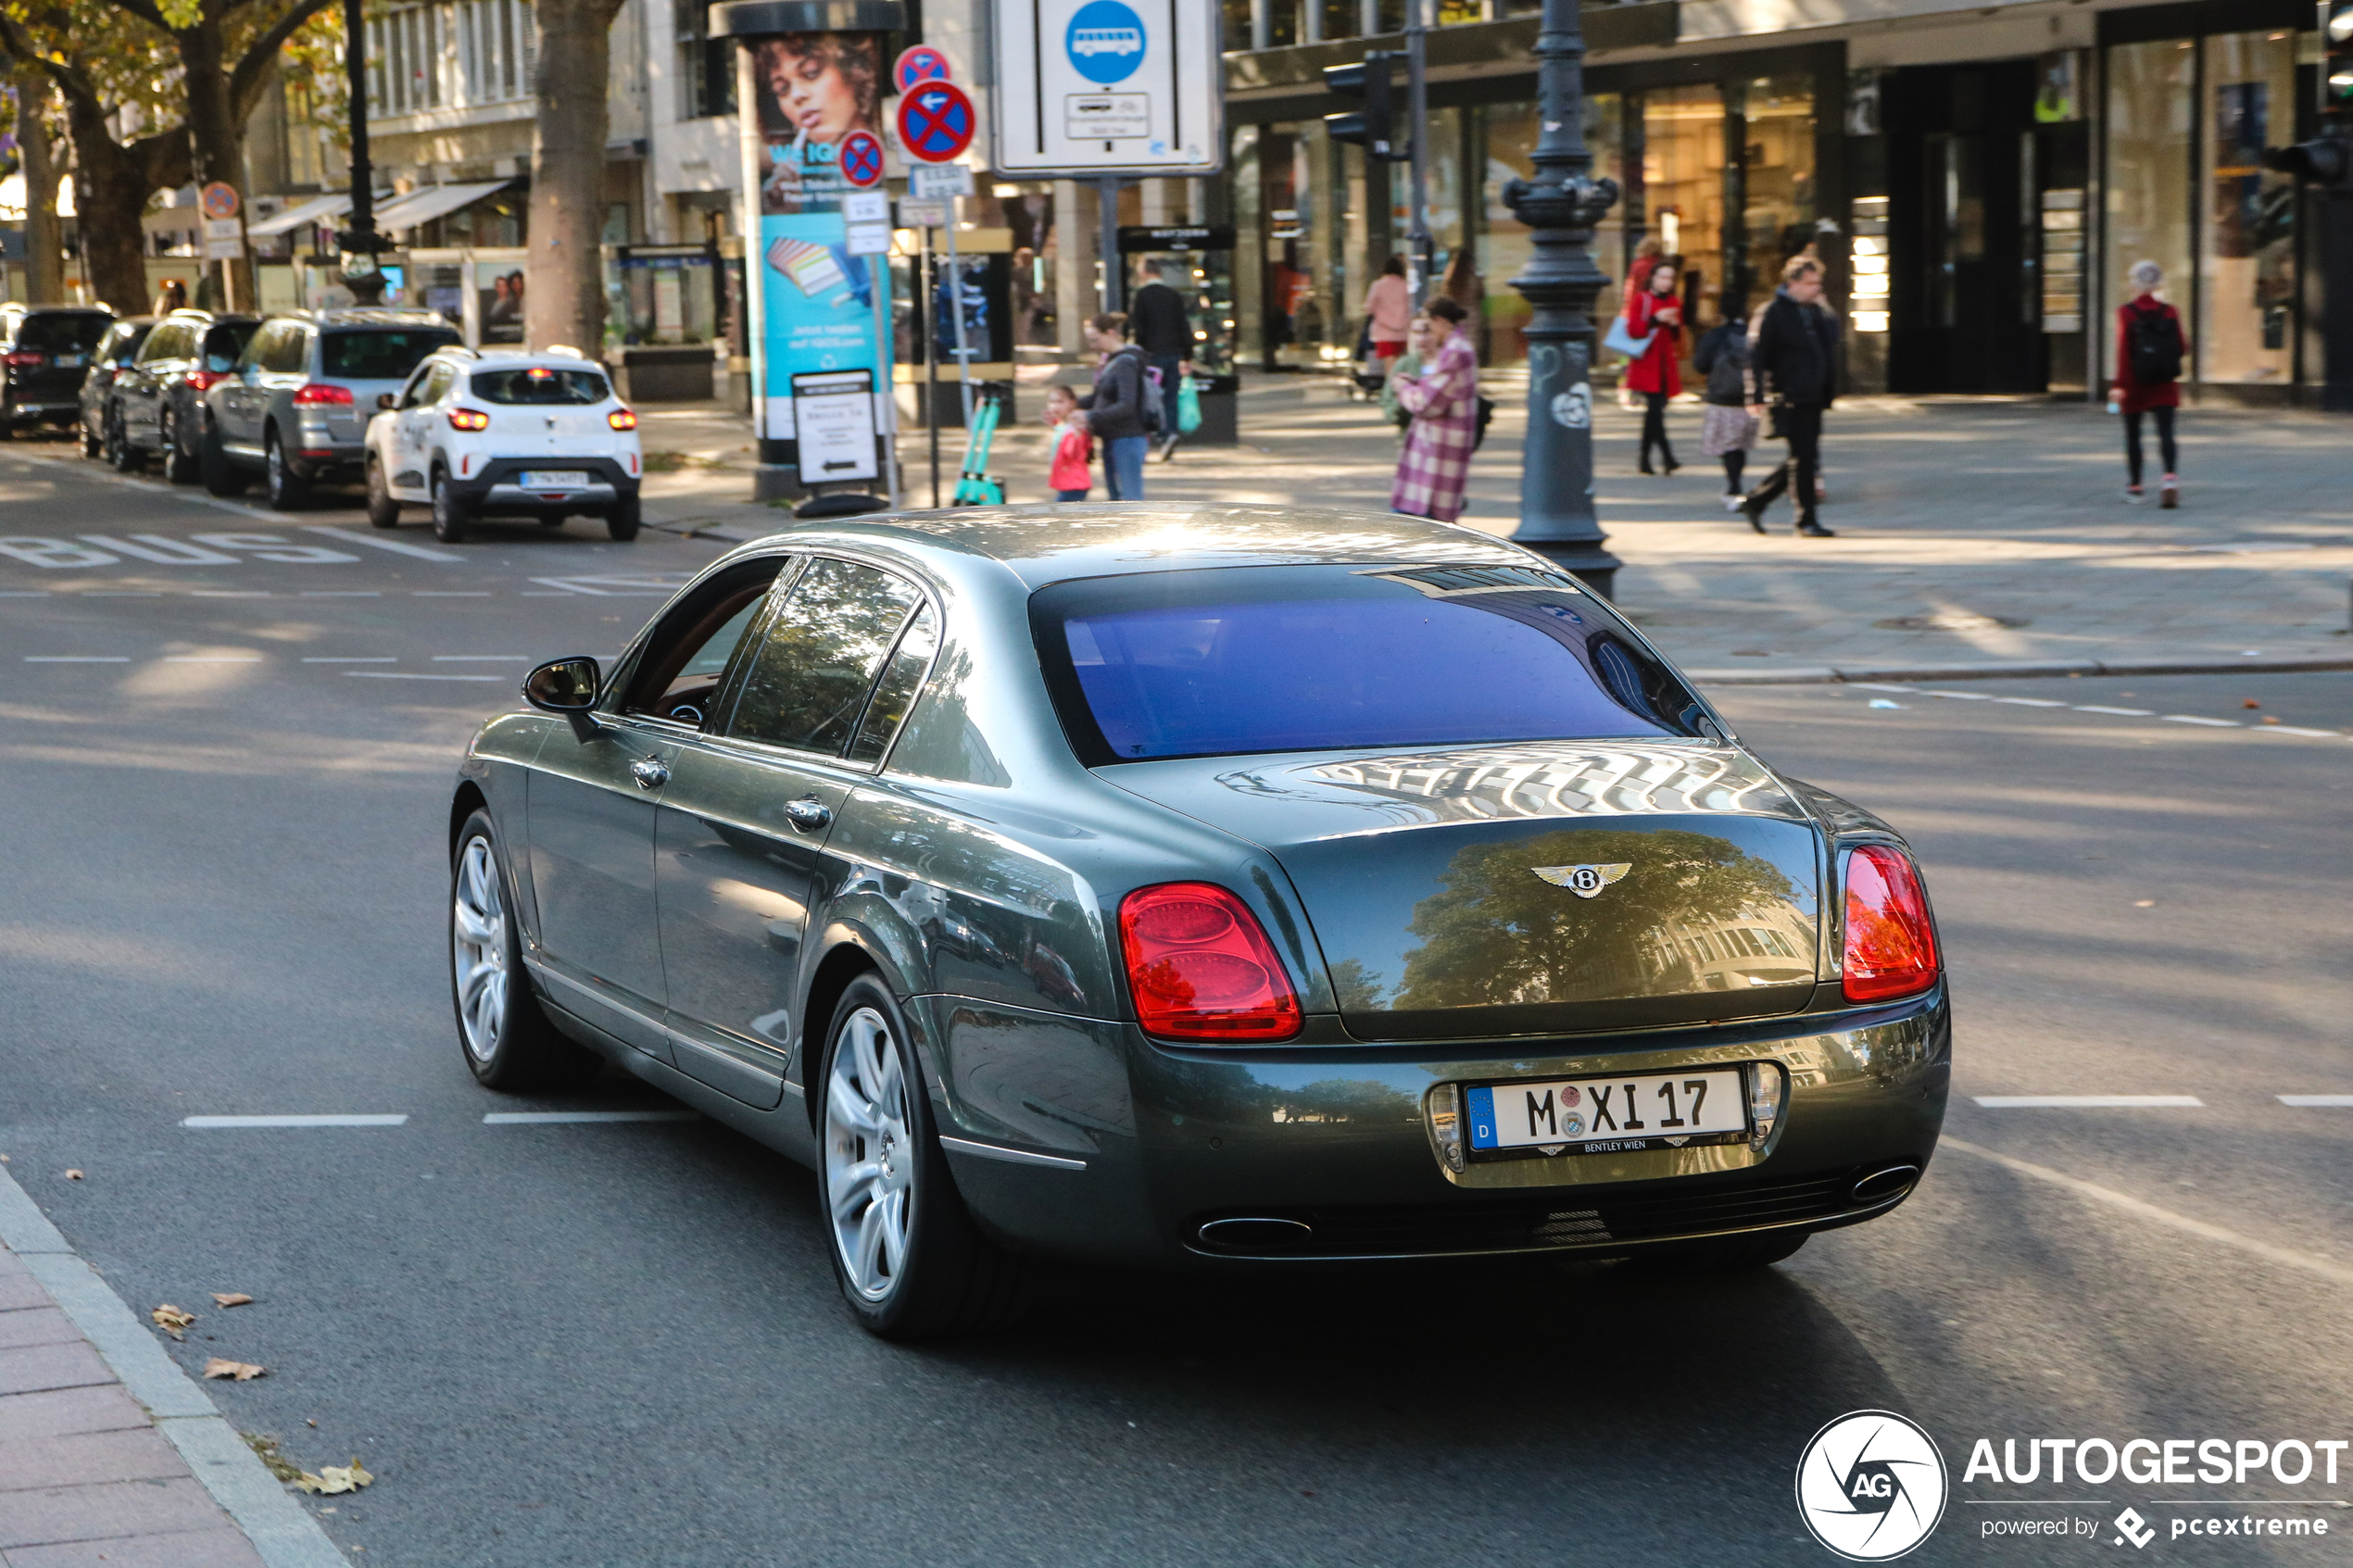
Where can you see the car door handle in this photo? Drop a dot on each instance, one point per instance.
(806, 814)
(651, 772)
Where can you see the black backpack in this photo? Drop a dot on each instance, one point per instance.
(2153, 347)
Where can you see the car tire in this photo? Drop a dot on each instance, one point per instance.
(911, 1263)
(1732, 1254)
(624, 519)
(450, 514)
(507, 1040)
(122, 455)
(178, 466)
(221, 477)
(287, 489)
(93, 444)
(383, 510)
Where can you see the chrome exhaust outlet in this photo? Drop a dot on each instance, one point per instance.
(1889, 1181)
(1255, 1234)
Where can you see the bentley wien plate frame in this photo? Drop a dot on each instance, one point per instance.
(1625, 1114)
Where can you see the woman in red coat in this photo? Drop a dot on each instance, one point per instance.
(2151, 348)
(1653, 310)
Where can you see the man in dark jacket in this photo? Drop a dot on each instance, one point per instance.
(1116, 410)
(1794, 358)
(1164, 329)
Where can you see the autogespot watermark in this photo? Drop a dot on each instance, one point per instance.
(1872, 1484)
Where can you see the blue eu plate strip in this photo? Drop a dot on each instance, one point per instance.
(1482, 1118)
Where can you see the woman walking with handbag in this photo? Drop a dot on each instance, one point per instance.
(1654, 318)
(1443, 400)
(2150, 350)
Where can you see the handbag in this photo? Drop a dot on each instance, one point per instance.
(1620, 341)
(1188, 406)
(1486, 417)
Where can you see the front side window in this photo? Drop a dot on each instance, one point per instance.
(809, 680)
(378, 353)
(541, 385)
(1242, 659)
(686, 657)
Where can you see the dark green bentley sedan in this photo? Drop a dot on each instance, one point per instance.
(1217, 886)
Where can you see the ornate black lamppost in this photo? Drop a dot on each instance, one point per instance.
(360, 245)
(1561, 204)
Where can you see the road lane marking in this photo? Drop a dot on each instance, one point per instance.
(398, 547)
(122, 593)
(406, 675)
(75, 658)
(2315, 1100)
(1963, 696)
(212, 659)
(230, 593)
(449, 592)
(2338, 1272)
(548, 1118)
(2030, 701)
(2291, 730)
(2119, 712)
(2085, 1103)
(24, 593)
(342, 593)
(2194, 718)
(213, 1123)
(479, 657)
(349, 658)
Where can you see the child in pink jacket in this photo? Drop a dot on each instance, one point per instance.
(1073, 446)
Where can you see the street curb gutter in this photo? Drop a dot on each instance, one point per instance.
(284, 1534)
(1824, 674)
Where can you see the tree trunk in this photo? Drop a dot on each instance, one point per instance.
(216, 136)
(44, 235)
(111, 184)
(564, 302)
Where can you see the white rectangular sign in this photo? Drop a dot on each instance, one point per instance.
(933, 180)
(867, 239)
(833, 421)
(865, 206)
(222, 250)
(915, 214)
(1108, 87)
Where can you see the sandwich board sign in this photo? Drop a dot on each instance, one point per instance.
(1092, 87)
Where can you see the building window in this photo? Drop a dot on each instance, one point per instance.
(2151, 95)
(1778, 180)
(2248, 270)
(706, 64)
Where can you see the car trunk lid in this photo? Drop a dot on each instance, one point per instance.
(1541, 889)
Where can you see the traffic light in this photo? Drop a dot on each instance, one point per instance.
(1373, 129)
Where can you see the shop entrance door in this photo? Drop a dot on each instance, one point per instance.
(1965, 302)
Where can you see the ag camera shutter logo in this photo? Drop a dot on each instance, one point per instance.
(1872, 1486)
(1105, 42)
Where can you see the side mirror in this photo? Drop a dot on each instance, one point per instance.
(567, 686)
(386, 400)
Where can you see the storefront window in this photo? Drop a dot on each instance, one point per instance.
(1293, 322)
(1683, 178)
(2151, 92)
(2248, 268)
(1507, 135)
(1779, 169)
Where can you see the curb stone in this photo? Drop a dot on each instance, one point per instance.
(1824, 674)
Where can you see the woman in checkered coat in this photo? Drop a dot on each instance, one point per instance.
(1443, 399)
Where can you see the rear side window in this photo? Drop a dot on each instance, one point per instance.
(539, 384)
(167, 342)
(895, 693)
(1325, 658)
(286, 352)
(378, 353)
(224, 343)
(817, 661)
(66, 331)
(125, 342)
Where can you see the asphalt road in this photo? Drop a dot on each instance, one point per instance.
(618, 1343)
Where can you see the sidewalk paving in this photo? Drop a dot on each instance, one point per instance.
(1987, 533)
(99, 1429)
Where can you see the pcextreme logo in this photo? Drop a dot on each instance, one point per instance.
(1872, 1486)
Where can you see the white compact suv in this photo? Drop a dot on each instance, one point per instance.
(508, 434)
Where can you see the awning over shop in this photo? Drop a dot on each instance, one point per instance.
(318, 209)
(434, 201)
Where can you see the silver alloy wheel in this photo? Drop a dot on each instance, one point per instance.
(870, 1156)
(478, 947)
(274, 459)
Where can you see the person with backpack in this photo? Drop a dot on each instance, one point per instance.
(1443, 399)
(1164, 329)
(1727, 430)
(2150, 350)
(1124, 409)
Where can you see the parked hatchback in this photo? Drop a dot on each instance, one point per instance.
(296, 409)
(44, 353)
(157, 405)
(118, 348)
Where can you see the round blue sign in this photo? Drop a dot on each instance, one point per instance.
(1105, 42)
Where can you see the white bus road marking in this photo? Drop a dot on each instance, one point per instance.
(2315, 1101)
(397, 546)
(217, 1123)
(2336, 1273)
(2085, 1103)
(550, 1118)
(209, 549)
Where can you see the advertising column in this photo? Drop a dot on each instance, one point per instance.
(810, 82)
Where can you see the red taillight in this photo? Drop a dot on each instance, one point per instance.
(1890, 945)
(23, 361)
(1202, 968)
(469, 418)
(204, 380)
(622, 419)
(318, 394)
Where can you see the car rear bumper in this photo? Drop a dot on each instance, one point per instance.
(496, 488)
(33, 410)
(1336, 1142)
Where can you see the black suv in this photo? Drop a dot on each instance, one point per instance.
(116, 349)
(158, 405)
(45, 351)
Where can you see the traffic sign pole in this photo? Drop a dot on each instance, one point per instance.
(931, 360)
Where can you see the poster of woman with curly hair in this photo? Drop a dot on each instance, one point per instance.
(814, 90)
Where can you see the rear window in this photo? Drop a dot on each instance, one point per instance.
(66, 331)
(539, 384)
(1243, 659)
(379, 353)
(224, 343)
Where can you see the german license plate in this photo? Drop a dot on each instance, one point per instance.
(557, 479)
(1619, 1115)
(71, 361)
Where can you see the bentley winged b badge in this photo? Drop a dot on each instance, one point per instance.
(1583, 881)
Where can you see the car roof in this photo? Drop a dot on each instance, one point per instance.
(519, 358)
(1054, 542)
(371, 316)
(211, 317)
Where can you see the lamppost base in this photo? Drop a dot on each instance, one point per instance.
(1588, 562)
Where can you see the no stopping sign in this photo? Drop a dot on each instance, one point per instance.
(935, 122)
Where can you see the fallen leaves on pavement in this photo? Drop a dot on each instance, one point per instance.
(171, 1319)
(243, 1371)
(231, 1298)
(334, 1479)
